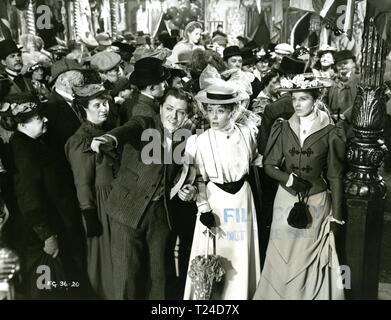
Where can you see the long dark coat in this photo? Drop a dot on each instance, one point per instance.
(41, 205)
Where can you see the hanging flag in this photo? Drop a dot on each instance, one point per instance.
(262, 34)
(333, 13)
(337, 14)
(5, 28)
(305, 5)
(301, 30)
(349, 17)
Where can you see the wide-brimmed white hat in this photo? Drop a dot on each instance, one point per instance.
(221, 93)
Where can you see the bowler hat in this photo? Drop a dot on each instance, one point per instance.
(148, 71)
(344, 55)
(248, 56)
(231, 51)
(290, 65)
(7, 47)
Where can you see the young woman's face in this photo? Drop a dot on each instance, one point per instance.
(36, 126)
(38, 74)
(234, 62)
(263, 66)
(274, 84)
(218, 116)
(195, 35)
(98, 110)
(327, 59)
(303, 103)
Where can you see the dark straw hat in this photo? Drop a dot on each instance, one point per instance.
(290, 65)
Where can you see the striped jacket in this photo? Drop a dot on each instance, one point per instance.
(137, 182)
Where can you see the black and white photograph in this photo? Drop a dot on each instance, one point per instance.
(195, 154)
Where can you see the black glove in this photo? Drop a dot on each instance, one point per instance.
(208, 219)
(300, 184)
(93, 225)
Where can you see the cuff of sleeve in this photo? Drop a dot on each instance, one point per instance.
(258, 161)
(289, 183)
(204, 207)
(340, 222)
(112, 137)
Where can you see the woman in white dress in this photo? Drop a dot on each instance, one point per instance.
(301, 260)
(191, 40)
(223, 156)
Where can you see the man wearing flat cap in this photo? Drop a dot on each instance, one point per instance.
(12, 63)
(342, 94)
(107, 64)
(150, 77)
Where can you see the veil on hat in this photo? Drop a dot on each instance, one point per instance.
(238, 78)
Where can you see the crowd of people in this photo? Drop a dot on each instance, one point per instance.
(123, 164)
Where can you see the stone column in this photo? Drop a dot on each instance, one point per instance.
(364, 187)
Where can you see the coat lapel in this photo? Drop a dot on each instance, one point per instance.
(321, 121)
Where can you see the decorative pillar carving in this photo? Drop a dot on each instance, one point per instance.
(30, 18)
(114, 17)
(364, 187)
(9, 261)
(76, 19)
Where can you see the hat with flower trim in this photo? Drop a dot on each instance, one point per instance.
(303, 82)
(20, 106)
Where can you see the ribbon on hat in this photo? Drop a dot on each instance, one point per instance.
(221, 96)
